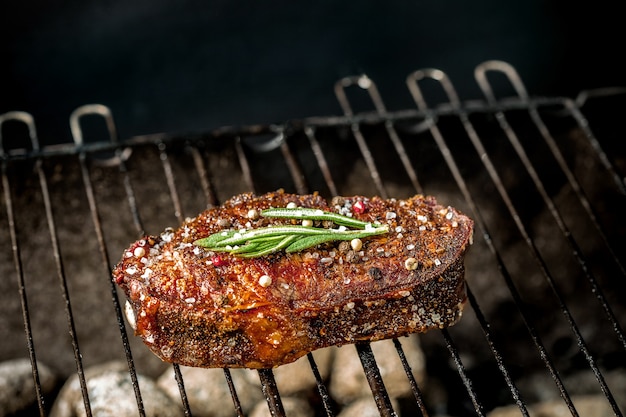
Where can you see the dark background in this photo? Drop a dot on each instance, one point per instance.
(177, 66)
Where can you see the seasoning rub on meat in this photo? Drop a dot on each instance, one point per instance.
(262, 280)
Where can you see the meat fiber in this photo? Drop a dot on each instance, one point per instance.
(198, 307)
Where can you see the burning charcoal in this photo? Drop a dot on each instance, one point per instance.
(17, 388)
(591, 405)
(364, 407)
(111, 394)
(208, 393)
(294, 407)
(297, 377)
(347, 381)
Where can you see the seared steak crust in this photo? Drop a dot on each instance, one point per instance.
(196, 307)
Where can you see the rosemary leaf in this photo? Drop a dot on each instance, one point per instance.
(214, 239)
(267, 249)
(308, 242)
(303, 213)
(311, 241)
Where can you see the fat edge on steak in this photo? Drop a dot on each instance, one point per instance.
(200, 308)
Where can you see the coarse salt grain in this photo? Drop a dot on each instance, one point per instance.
(130, 315)
(410, 264)
(265, 281)
(356, 244)
(437, 262)
(291, 205)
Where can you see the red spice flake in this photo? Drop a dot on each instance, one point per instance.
(358, 207)
(119, 278)
(218, 261)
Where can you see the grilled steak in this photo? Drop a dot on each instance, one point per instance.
(201, 307)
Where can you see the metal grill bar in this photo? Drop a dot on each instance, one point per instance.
(270, 391)
(619, 180)
(375, 380)
(233, 392)
(497, 355)
(356, 131)
(292, 165)
(244, 165)
(454, 352)
(321, 386)
(321, 160)
(417, 393)
(209, 195)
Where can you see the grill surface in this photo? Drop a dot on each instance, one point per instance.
(542, 177)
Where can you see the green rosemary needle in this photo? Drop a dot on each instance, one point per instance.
(292, 238)
(303, 213)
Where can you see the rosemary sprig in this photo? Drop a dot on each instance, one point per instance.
(303, 213)
(292, 238)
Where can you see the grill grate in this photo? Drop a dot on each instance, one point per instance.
(312, 153)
